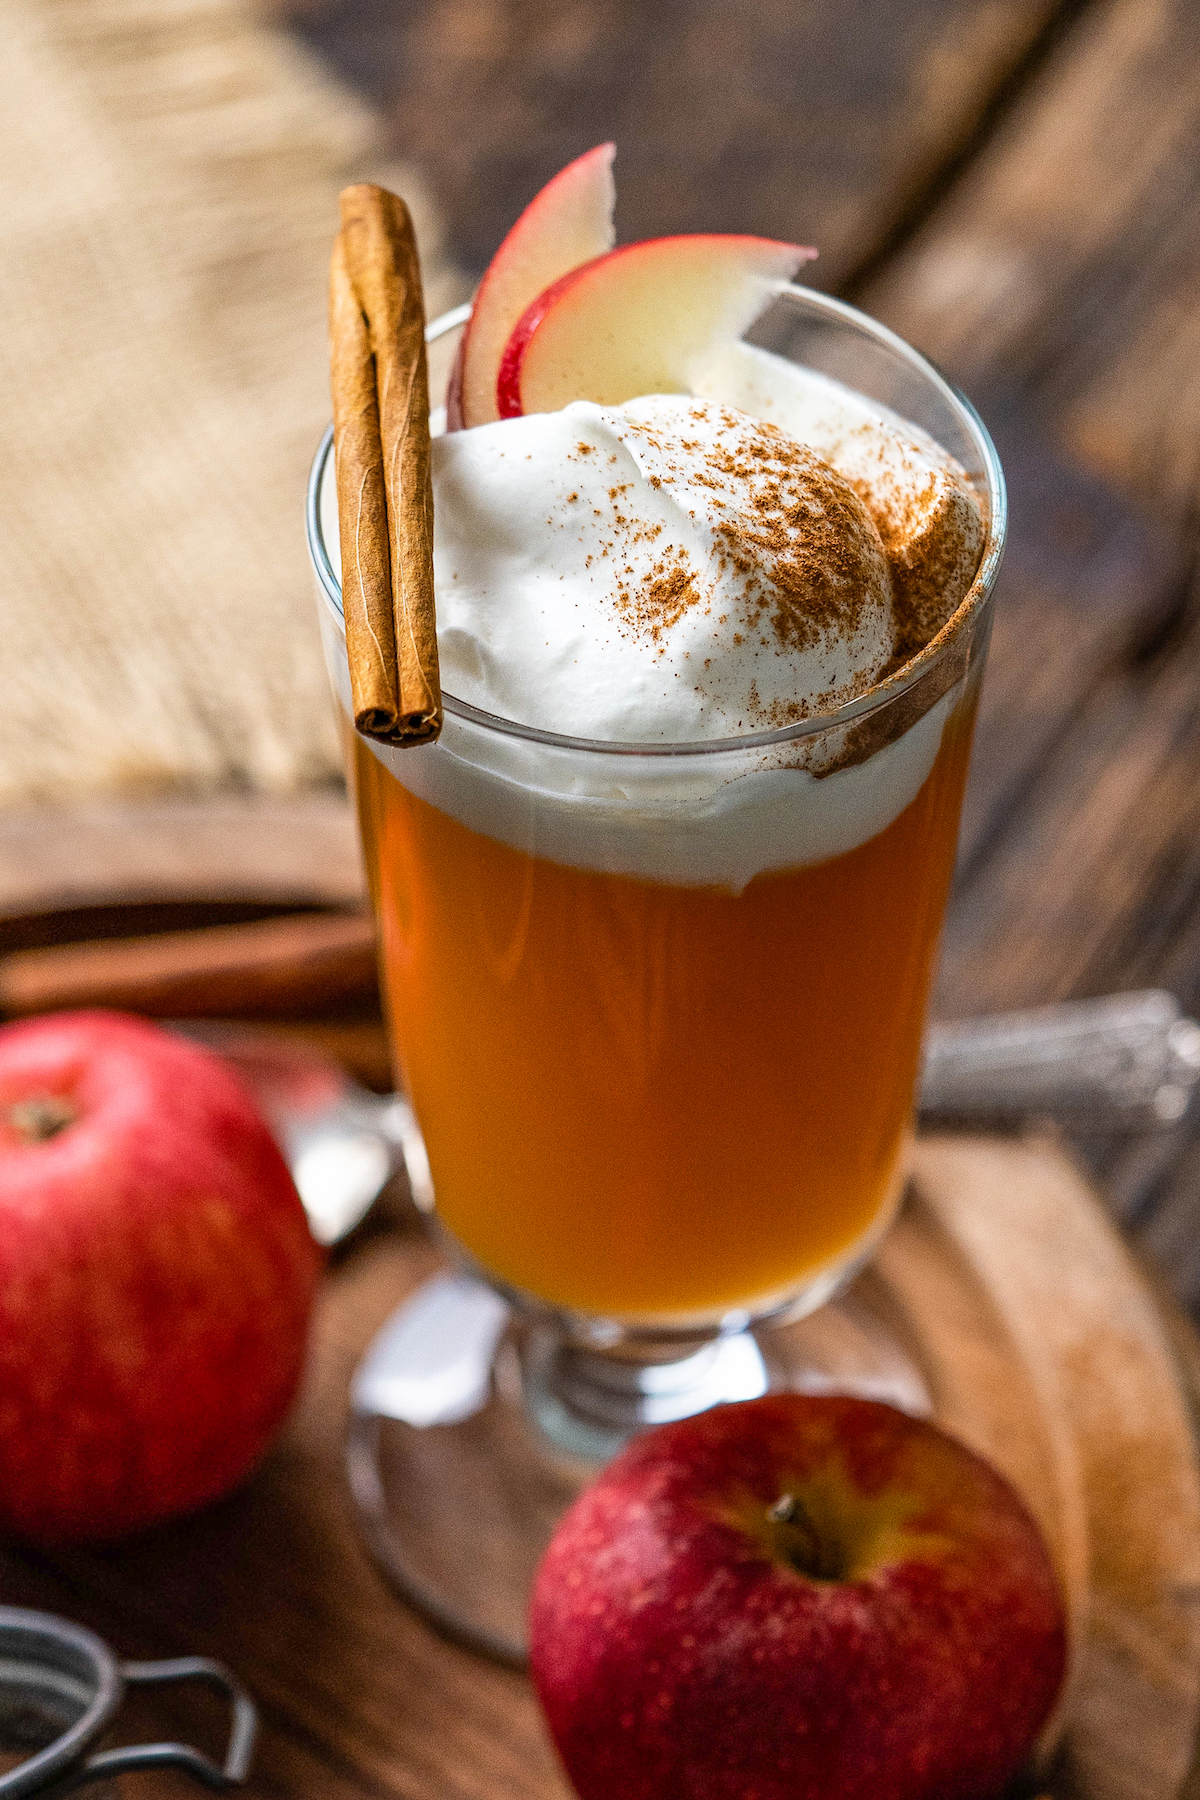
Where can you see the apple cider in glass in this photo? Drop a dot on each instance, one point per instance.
(645, 1100)
(657, 991)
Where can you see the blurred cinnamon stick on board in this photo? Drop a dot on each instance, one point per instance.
(301, 964)
(380, 388)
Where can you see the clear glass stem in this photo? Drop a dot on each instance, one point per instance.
(589, 1402)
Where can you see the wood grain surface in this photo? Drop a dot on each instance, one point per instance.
(312, 963)
(204, 850)
(793, 118)
(1057, 279)
(1038, 1342)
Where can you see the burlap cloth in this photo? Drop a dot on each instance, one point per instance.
(168, 181)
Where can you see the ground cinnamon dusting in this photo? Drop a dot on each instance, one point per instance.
(662, 601)
(931, 526)
(796, 540)
(808, 550)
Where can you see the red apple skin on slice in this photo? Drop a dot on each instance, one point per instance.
(796, 1598)
(639, 320)
(454, 408)
(569, 222)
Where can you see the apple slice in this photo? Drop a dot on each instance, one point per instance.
(568, 223)
(640, 320)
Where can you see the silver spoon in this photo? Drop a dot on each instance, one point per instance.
(1126, 1062)
(342, 1143)
(1123, 1062)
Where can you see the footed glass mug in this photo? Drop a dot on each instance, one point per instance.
(658, 1009)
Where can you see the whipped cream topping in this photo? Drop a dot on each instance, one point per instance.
(668, 570)
(927, 514)
(714, 819)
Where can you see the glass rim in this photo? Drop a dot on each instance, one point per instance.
(862, 706)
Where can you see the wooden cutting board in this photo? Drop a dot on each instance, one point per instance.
(1007, 1298)
(1045, 1347)
(296, 851)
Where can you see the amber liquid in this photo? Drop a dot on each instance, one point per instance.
(654, 1102)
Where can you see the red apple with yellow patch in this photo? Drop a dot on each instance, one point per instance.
(796, 1598)
(156, 1278)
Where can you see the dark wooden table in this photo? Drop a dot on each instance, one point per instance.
(1013, 185)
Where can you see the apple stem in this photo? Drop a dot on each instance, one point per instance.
(799, 1540)
(41, 1117)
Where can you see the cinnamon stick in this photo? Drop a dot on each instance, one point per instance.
(307, 963)
(381, 448)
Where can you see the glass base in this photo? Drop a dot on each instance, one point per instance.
(473, 1429)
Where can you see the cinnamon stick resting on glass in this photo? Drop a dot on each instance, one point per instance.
(381, 450)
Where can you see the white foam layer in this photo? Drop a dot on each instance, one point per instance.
(714, 818)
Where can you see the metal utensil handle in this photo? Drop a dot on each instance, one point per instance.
(193, 1762)
(1122, 1062)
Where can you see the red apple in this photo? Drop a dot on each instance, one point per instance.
(795, 1598)
(640, 320)
(156, 1278)
(568, 223)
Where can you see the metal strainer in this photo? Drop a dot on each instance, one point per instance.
(61, 1687)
